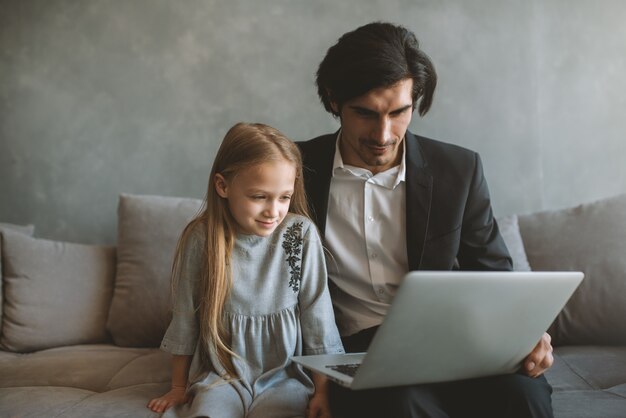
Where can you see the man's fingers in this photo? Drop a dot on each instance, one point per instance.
(547, 361)
(540, 359)
(536, 369)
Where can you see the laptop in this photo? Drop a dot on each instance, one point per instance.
(446, 326)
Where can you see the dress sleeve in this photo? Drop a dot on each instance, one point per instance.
(319, 331)
(182, 334)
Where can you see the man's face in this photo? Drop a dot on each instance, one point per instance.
(373, 126)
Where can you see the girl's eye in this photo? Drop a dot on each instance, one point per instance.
(287, 197)
(258, 197)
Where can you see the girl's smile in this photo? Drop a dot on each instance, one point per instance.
(259, 196)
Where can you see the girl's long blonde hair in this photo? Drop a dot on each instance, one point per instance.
(245, 145)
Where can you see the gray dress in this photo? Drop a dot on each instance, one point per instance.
(279, 307)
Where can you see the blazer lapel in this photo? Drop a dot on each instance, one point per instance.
(318, 170)
(318, 165)
(419, 186)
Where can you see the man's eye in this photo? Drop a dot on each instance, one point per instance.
(399, 113)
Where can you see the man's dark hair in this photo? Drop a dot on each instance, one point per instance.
(375, 55)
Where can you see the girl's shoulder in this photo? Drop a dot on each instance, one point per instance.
(194, 234)
(294, 222)
(294, 232)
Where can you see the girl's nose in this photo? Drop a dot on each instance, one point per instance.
(271, 210)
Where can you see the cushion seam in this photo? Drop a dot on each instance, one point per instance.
(579, 375)
(107, 386)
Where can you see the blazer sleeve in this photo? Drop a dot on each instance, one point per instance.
(481, 246)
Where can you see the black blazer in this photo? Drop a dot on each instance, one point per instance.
(449, 219)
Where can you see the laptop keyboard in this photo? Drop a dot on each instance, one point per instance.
(347, 369)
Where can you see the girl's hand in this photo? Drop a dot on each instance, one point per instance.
(176, 396)
(318, 406)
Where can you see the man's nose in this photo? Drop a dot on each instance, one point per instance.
(382, 131)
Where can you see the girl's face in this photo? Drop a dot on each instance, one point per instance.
(259, 196)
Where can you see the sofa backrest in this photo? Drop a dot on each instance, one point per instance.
(61, 293)
(24, 229)
(590, 238)
(55, 293)
(148, 230)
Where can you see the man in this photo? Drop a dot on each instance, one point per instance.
(388, 201)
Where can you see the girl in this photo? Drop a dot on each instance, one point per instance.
(250, 290)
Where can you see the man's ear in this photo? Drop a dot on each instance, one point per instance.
(221, 186)
(333, 104)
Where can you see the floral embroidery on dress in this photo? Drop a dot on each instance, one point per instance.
(292, 245)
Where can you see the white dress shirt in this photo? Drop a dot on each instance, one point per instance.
(366, 237)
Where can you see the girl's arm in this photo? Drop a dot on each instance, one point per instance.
(319, 331)
(318, 404)
(178, 392)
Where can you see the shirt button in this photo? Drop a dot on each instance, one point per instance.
(370, 218)
(381, 291)
(374, 255)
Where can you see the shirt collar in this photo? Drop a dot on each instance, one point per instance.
(390, 178)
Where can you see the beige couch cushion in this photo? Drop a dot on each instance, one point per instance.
(95, 380)
(148, 229)
(590, 238)
(509, 229)
(25, 229)
(55, 293)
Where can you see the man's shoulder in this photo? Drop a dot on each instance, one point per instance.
(442, 159)
(433, 147)
(317, 155)
(318, 142)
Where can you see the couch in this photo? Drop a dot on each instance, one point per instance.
(80, 324)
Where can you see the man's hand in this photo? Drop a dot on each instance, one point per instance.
(540, 359)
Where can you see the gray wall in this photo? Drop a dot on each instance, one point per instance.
(103, 97)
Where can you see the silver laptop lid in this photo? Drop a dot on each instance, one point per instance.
(445, 326)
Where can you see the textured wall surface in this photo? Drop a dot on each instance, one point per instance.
(103, 97)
